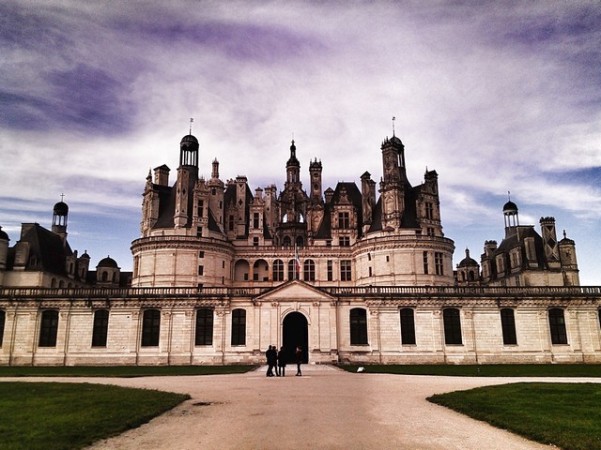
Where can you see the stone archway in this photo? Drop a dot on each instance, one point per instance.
(295, 332)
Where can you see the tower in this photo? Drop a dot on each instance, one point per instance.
(60, 213)
(394, 180)
(187, 175)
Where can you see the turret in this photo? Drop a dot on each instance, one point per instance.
(315, 173)
(60, 213)
(187, 175)
(550, 244)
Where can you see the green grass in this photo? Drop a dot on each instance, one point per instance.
(566, 415)
(118, 371)
(486, 370)
(71, 416)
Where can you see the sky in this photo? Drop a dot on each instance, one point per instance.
(497, 97)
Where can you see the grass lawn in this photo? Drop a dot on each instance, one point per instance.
(61, 415)
(118, 371)
(563, 414)
(486, 370)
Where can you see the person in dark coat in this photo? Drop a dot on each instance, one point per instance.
(299, 359)
(272, 357)
(282, 361)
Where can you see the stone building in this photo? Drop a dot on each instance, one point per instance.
(221, 272)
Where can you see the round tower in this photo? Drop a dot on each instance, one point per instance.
(60, 214)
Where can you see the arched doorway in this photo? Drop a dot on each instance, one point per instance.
(296, 332)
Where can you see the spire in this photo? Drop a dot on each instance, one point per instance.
(393, 119)
(191, 120)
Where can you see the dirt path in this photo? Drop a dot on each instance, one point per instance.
(326, 408)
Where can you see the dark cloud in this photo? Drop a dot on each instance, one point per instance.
(261, 43)
(82, 99)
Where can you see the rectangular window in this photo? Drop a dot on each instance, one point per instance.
(231, 223)
(256, 220)
(255, 242)
(201, 254)
(557, 325)
(201, 270)
(438, 262)
(429, 211)
(508, 327)
(48, 328)
(330, 265)
(345, 270)
(239, 327)
(344, 220)
(344, 241)
(2, 322)
(100, 328)
(452, 326)
(151, 328)
(370, 272)
(407, 327)
(198, 231)
(430, 231)
(358, 322)
(200, 208)
(425, 259)
(204, 327)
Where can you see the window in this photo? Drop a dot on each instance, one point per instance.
(430, 231)
(151, 328)
(291, 270)
(201, 270)
(231, 223)
(557, 326)
(100, 328)
(48, 328)
(255, 241)
(438, 262)
(287, 241)
(239, 327)
(200, 207)
(198, 231)
(429, 211)
(344, 241)
(255, 220)
(330, 265)
(452, 326)
(508, 327)
(407, 327)
(344, 221)
(358, 321)
(425, 259)
(278, 270)
(2, 322)
(204, 327)
(201, 254)
(309, 270)
(345, 270)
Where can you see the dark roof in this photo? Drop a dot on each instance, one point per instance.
(3, 235)
(189, 139)
(61, 209)
(510, 207)
(108, 262)
(467, 261)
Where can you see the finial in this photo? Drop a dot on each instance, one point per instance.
(191, 120)
(509, 195)
(393, 119)
(564, 234)
(62, 197)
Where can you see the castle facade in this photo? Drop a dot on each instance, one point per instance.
(350, 273)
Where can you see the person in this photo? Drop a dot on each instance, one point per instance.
(282, 361)
(271, 356)
(299, 359)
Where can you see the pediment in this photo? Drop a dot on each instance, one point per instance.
(295, 291)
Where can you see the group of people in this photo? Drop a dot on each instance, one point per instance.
(276, 361)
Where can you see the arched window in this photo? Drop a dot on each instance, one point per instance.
(204, 326)
(291, 270)
(309, 270)
(105, 276)
(278, 270)
(557, 327)
(100, 328)
(48, 328)
(300, 241)
(452, 326)
(239, 327)
(241, 270)
(508, 326)
(407, 327)
(286, 241)
(151, 328)
(358, 322)
(2, 322)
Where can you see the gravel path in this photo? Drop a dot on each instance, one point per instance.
(326, 408)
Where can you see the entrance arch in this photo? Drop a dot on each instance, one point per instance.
(295, 332)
